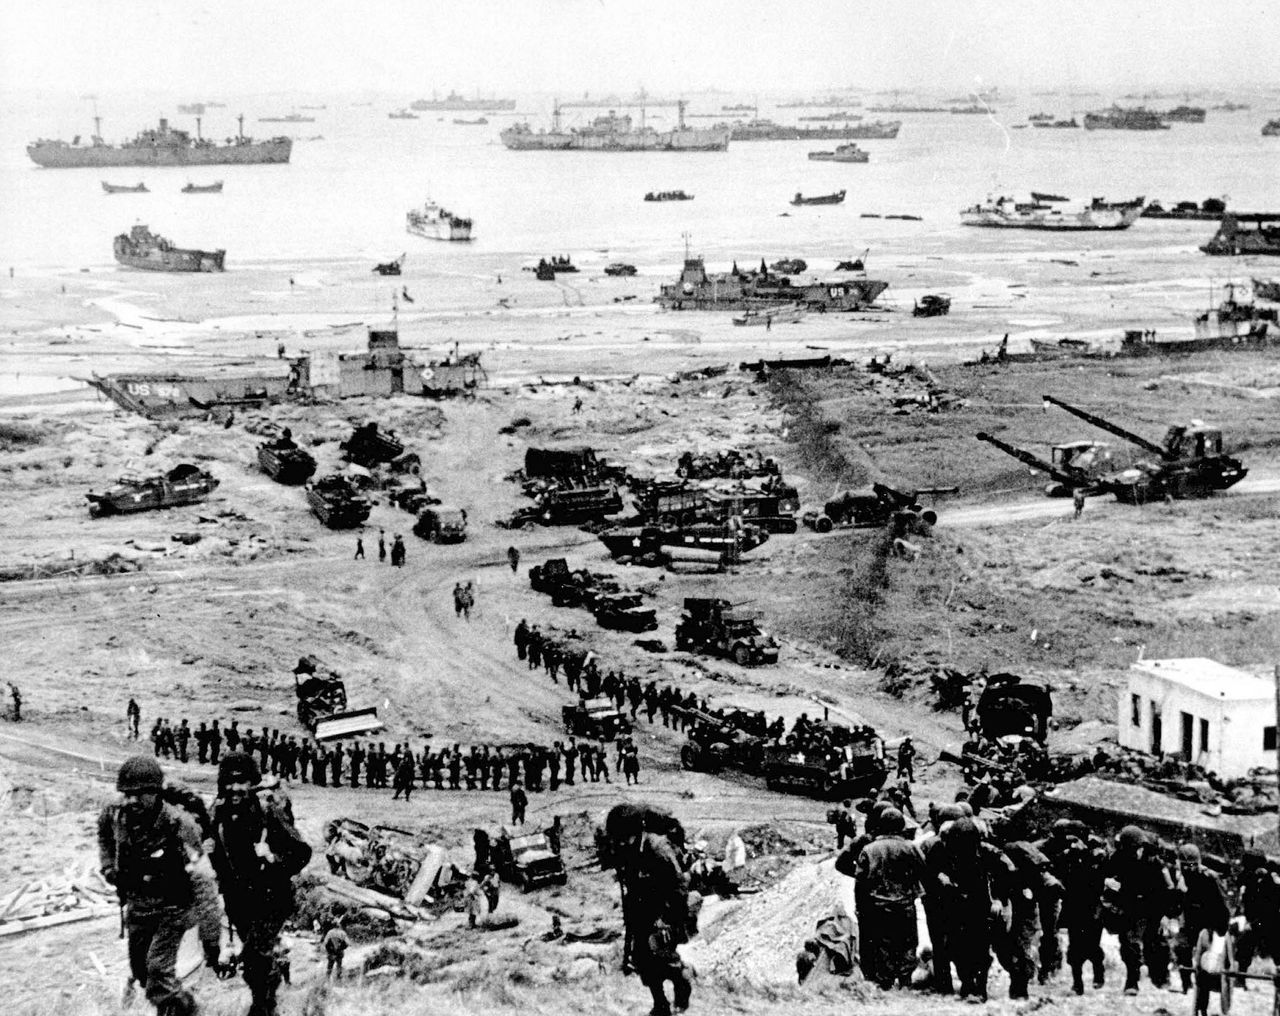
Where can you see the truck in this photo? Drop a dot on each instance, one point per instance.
(715, 627)
(525, 858)
(567, 507)
(772, 511)
(856, 509)
(442, 524)
(596, 719)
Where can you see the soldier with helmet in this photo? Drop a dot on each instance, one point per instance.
(147, 847)
(1140, 891)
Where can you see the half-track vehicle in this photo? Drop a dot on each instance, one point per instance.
(596, 719)
(336, 502)
(873, 508)
(284, 461)
(442, 524)
(717, 628)
(183, 484)
(624, 612)
(525, 858)
(849, 764)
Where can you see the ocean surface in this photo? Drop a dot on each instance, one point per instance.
(354, 174)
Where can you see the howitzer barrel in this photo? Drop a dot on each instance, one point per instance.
(1107, 425)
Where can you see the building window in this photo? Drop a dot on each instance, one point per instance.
(1204, 735)
(1268, 738)
(1135, 710)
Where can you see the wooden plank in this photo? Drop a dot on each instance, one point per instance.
(51, 920)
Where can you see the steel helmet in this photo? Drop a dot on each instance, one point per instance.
(139, 774)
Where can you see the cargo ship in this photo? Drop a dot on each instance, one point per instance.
(1139, 118)
(454, 103)
(1233, 238)
(432, 222)
(141, 248)
(614, 133)
(761, 290)
(767, 130)
(164, 146)
(1006, 213)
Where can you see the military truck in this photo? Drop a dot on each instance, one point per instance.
(525, 857)
(715, 627)
(442, 524)
(284, 461)
(335, 501)
(773, 511)
(596, 719)
(855, 768)
(183, 484)
(624, 612)
(873, 508)
(567, 507)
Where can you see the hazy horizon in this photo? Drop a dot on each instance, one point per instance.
(568, 47)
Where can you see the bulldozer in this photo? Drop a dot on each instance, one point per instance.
(1189, 463)
(1078, 465)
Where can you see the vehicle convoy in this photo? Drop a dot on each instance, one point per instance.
(336, 502)
(850, 764)
(596, 719)
(525, 857)
(442, 524)
(873, 508)
(1078, 465)
(183, 484)
(714, 627)
(1189, 464)
(284, 461)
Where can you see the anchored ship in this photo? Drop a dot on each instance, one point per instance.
(1139, 118)
(432, 222)
(843, 153)
(614, 133)
(164, 146)
(287, 118)
(454, 102)
(762, 289)
(141, 248)
(1006, 213)
(768, 130)
(1185, 114)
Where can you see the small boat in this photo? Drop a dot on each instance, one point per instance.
(619, 268)
(203, 188)
(390, 267)
(115, 188)
(670, 195)
(821, 199)
(479, 122)
(931, 306)
(768, 318)
(843, 153)
(402, 114)
(1062, 347)
(433, 222)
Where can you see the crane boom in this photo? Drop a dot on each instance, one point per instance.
(1113, 428)
(1035, 462)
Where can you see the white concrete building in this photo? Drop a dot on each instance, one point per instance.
(1213, 715)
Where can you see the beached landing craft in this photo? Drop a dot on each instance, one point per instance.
(141, 248)
(432, 222)
(1006, 213)
(762, 289)
(162, 147)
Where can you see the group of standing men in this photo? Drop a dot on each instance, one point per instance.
(170, 859)
(397, 548)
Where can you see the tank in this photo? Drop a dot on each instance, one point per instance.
(284, 461)
(337, 503)
(183, 484)
(368, 446)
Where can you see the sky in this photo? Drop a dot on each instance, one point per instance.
(196, 49)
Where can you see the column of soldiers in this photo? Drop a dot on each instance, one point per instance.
(1011, 900)
(176, 865)
(482, 767)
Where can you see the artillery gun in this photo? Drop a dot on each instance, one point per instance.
(337, 503)
(714, 627)
(1078, 465)
(713, 744)
(284, 461)
(183, 484)
(1189, 464)
(857, 509)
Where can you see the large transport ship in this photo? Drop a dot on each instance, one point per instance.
(615, 133)
(768, 130)
(163, 146)
(1006, 213)
(453, 102)
(762, 289)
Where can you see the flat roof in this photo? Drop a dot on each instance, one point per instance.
(1209, 678)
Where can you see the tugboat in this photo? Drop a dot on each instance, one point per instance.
(843, 153)
(434, 222)
(116, 188)
(821, 199)
(141, 248)
(183, 484)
